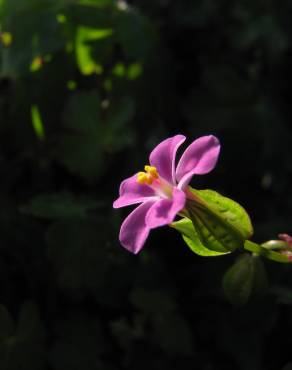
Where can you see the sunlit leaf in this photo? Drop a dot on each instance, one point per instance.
(222, 224)
(37, 122)
(191, 238)
(84, 38)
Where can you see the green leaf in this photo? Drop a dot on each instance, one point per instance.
(222, 224)
(229, 210)
(267, 253)
(245, 277)
(191, 237)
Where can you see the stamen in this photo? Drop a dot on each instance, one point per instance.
(147, 177)
(152, 171)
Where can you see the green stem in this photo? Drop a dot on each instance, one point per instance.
(262, 251)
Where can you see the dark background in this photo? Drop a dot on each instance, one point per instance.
(87, 89)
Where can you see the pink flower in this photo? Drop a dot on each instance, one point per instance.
(162, 188)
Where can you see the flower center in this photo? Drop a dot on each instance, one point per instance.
(151, 178)
(147, 177)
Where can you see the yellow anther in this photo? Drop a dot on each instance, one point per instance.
(141, 177)
(152, 171)
(147, 177)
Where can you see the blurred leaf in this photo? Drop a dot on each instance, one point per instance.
(93, 14)
(81, 148)
(59, 206)
(34, 25)
(225, 90)
(118, 134)
(191, 238)
(246, 276)
(82, 112)
(91, 132)
(130, 28)
(238, 280)
(16, 6)
(265, 31)
(97, 3)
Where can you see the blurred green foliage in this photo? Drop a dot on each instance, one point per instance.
(87, 88)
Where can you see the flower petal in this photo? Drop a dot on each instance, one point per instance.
(163, 157)
(134, 230)
(163, 212)
(199, 158)
(132, 193)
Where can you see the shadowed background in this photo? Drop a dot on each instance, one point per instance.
(87, 89)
